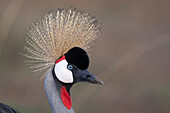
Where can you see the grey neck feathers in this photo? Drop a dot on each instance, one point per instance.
(52, 90)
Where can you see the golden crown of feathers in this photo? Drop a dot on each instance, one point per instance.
(55, 33)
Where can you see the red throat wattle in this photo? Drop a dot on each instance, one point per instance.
(65, 97)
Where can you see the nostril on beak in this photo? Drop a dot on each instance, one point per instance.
(88, 76)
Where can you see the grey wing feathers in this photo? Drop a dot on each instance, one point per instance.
(6, 109)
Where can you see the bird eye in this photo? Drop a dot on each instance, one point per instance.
(70, 67)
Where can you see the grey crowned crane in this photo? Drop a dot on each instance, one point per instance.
(57, 45)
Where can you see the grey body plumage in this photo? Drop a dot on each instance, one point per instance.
(6, 109)
(52, 90)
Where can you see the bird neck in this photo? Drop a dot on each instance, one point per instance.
(58, 94)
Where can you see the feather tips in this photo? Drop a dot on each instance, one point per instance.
(57, 32)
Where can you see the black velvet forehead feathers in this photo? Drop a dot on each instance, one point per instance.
(78, 57)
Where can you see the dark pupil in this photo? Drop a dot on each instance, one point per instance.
(70, 67)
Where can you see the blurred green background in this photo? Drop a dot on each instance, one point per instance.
(132, 57)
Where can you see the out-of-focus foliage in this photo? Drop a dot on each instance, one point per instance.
(132, 57)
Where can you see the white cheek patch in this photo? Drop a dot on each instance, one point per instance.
(62, 73)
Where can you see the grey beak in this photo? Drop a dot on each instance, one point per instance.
(88, 77)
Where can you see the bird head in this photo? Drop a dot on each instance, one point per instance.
(72, 67)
